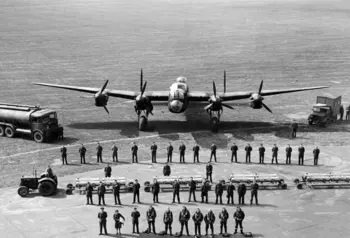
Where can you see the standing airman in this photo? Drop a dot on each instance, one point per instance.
(168, 221)
(254, 192)
(82, 152)
(64, 155)
(261, 154)
(101, 190)
(213, 151)
(196, 153)
(288, 154)
(114, 153)
(155, 191)
(102, 216)
(294, 129)
(184, 216)
(347, 114)
(170, 153)
(204, 192)
(99, 152)
(116, 193)
(219, 189)
(209, 171)
(230, 190)
(239, 217)
(136, 191)
(316, 153)
(118, 223)
(223, 216)
(154, 152)
(182, 150)
(134, 149)
(192, 189)
(151, 218)
(241, 190)
(234, 149)
(209, 219)
(89, 190)
(301, 150)
(274, 153)
(135, 215)
(197, 219)
(176, 191)
(248, 150)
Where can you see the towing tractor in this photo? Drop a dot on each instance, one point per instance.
(46, 184)
(325, 111)
(41, 124)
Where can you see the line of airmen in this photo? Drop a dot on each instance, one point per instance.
(168, 219)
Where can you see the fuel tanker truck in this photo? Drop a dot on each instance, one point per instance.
(40, 124)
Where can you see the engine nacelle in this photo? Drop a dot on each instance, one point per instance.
(256, 101)
(101, 100)
(143, 103)
(255, 104)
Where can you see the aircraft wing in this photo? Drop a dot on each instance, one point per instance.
(154, 96)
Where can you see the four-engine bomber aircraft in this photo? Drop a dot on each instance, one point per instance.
(179, 97)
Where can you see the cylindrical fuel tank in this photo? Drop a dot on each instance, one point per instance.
(17, 116)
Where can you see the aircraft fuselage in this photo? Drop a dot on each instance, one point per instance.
(178, 96)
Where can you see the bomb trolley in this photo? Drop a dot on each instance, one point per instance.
(265, 181)
(323, 180)
(80, 184)
(166, 182)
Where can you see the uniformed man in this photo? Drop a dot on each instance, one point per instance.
(204, 192)
(176, 191)
(166, 170)
(89, 190)
(209, 171)
(49, 172)
(155, 190)
(196, 153)
(213, 151)
(182, 150)
(254, 192)
(197, 219)
(261, 154)
(209, 219)
(114, 153)
(64, 155)
(347, 114)
(219, 189)
(230, 190)
(136, 191)
(101, 190)
(168, 221)
(239, 217)
(301, 150)
(234, 149)
(223, 216)
(341, 111)
(118, 223)
(116, 193)
(288, 154)
(135, 215)
(108, 171)
(102, 216)
(241, 190)
(82, 152)
(154, 152)
(316, 153)
(274, 153)
(99, 152)
(134, 149)
(170, 149)
(248, 150)
(184, 216)
(151, 218)
(192, 188)
(294, 129)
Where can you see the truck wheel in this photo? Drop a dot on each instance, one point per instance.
(47, 188)
(38, 137)
(2, 131)
(23, 191)
(9, 132)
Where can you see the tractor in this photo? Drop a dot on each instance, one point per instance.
(46, 184)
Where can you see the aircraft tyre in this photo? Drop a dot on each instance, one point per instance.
(9, 132)
(38, 137)
(23, 191)
(214, 124)
(2, 131)
(142, 123)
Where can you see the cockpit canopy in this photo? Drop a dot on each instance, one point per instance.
(181, 79)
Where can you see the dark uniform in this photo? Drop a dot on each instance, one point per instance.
(213, 152)
(301, 155)
(209, 170)
(176, 191)
(99, 153)
(242, 189)
(254, 193)
(274, 154)
(89, 190)
(294, 129)
(182, 150)
(135, 215)
(117, 222)
(64, 155)
(151, 218)
(103, 221)
(261, 154)
(204, 192)
(82, 152)
(239, 217)
(184, 216)
(219, 189)
(101, 190)
(168, 221)
(155, 191)
(116, 193)
(347, 114)
(209, 222)
(192, 185)
(196, 154)
(197, 219)
(108, 171)
(170, 153)
(134, 149)
(248, 150)
(115, 153)
(288, 154)
(316, 153)
(223, 216)
(230, 189)
(234, 149)
(154, 153)
(136, 192)
(341, 111)
(166, 170)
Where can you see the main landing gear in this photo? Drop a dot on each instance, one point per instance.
(142, 119)
(214, 119)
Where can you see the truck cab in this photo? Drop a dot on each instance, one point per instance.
(321, 114)
(44, 124)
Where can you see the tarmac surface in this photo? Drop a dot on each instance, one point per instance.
(84, 42)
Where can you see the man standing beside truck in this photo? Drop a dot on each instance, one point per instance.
(64, 155)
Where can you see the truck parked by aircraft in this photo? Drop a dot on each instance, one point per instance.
(325, 111)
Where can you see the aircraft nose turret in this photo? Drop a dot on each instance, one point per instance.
(176, 105)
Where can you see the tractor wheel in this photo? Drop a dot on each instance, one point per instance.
(300, 186)
(38, 137)
(47, 188)
(214, 124)
(2, 131)
(147, 184)
(69, 186)
(9, 132)
(69, 191)
(142, 123)
(23, 191)
(147, 189)
(284, 186)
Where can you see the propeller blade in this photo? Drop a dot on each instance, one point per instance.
(104, 86)
(141, 80)
(266, 107)
(209, 106)
(224, 81)
(226, 105)
(261, 85)
(143, 88)
(214, 88)
(106, 109)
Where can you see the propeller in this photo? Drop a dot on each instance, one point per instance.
(256, 97)
(101, 98)
(215, 102)
(141, 101)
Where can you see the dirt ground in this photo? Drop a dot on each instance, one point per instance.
(289, 44)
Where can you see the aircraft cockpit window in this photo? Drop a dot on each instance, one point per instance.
(181, 86)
